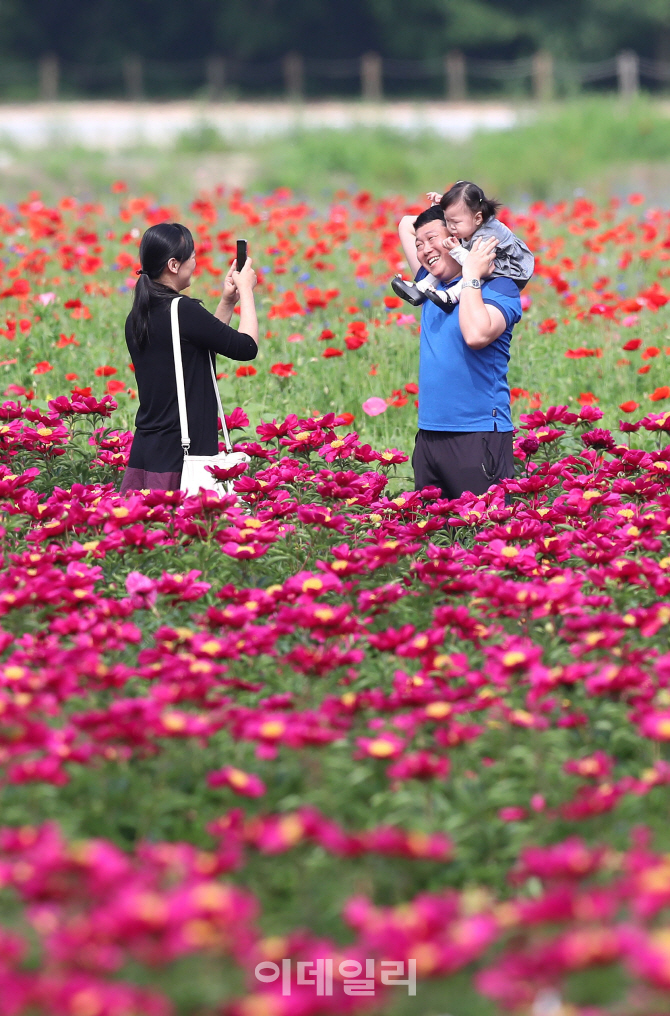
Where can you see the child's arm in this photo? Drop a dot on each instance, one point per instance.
(456, 251)
(408, 242)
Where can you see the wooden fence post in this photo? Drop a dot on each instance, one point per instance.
(543, 76)
(133, 78)
(628, 74)
(49, 73)
(216, 78)
(372, 87)
(294, 76)
(455, 76)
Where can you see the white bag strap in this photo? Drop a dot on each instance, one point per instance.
(222, 415)
(179, 375)
(181, 391)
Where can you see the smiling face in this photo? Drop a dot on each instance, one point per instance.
(429, 249)
(461, 220)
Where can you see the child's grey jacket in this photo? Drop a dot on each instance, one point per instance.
(513, 259)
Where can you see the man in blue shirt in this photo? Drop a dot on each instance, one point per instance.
(465, 437)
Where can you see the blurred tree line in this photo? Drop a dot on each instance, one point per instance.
(89, 31)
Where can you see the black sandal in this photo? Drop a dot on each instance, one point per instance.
(441, 299)
(407, 291)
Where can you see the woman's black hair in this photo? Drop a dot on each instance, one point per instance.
(432, 214)
(474, 198)
(160, 244)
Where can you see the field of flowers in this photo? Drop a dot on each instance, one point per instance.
(280, 753)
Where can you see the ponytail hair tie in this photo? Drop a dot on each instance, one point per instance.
(140, 271)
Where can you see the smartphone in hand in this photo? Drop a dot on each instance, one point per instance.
(241, 254)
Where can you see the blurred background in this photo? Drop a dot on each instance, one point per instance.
(530, 96)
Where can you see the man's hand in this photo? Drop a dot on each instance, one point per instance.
(479, 262)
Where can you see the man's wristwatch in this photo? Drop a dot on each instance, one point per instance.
(471, 284)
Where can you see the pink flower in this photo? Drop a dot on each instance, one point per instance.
(46, 298)
(406, 319)
(246, 784)
(629, 321)
(374, 406)
(141, 589)
(513, 814)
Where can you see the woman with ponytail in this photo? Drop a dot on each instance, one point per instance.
(168, 260)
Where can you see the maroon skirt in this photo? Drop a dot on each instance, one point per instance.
(143, 479)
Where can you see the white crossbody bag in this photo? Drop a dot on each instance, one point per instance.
(194, 473)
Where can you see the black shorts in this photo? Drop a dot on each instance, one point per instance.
(457, 462)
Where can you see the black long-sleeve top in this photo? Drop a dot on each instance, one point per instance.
(157, 442)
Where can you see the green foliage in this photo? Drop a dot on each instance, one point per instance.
(261, 30)
(541, 157)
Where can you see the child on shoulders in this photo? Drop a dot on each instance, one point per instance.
(470, 216)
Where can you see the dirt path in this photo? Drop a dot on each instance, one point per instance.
(116, 125)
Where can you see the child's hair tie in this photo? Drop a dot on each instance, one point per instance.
(141, 271)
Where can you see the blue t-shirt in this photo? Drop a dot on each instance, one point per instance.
(463, 389)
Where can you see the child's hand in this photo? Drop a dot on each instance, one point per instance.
(434, 197)
(451, 242)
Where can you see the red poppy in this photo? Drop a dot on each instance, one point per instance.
(283, 370)
(645, 369)
(71, 377)
(326, 334)
(587, 398)
(581, 352)
(631, 345)
(660, 393)
(246, 371)
(43, 367)
(105, 371)
(331, 351)
(66, 340)
(629, 407)
(650, 352)
(412, 388)
(392, 302)
(114, 387)
(548, 325)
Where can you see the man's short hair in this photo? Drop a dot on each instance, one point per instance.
(432, 214)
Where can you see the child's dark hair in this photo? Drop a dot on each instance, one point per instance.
(432, 214)
(160, 244)
(474, 198)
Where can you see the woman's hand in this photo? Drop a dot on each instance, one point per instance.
(479, 262)
(229, 292)
(245, 281)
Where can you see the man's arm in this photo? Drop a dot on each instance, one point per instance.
(408, 242)
(481, 324)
